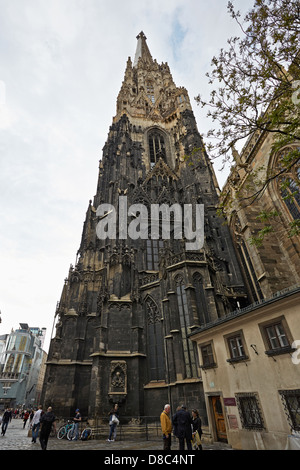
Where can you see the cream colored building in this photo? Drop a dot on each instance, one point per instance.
(250, 361)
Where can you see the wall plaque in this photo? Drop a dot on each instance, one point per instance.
(233, 422)
(229, 402)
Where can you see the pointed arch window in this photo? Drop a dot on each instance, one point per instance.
(156, 147)
(153, 247)
(155, 341)
(150, 91)
(246, 261)
(289, 186)
(290, 192)
(200, 299)
(188, 348)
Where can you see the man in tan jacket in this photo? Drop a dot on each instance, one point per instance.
(166, 427)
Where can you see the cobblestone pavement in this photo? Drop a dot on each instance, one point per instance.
(16, 438)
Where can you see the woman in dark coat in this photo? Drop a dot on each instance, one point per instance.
(196, 424)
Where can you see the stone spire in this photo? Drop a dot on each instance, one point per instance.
(142, 49)
(124, 298)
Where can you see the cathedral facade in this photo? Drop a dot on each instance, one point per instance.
(274, 264)
(130, 303)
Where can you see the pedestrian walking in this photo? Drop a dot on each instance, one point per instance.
(47, 419)
(113, 423)
(77, 420)
(182, 421)
(25, 418)
(6, 418)
(197, 430)
(31, 415)
(36, 423)
(166, 427)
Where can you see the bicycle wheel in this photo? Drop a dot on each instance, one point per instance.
(61, 433)
(86, 434)
(71, 434)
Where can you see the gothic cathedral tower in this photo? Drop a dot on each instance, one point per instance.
(128, 305)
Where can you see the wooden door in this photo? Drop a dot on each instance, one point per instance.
(219, 418)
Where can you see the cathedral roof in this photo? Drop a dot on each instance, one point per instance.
(142, 49)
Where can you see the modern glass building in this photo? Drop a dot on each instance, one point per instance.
(20, 365)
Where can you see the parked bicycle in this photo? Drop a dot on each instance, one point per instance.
(72, 433)
(64, 430)
(86, 433)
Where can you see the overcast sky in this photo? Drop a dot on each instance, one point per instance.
(62, 63)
